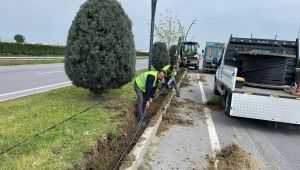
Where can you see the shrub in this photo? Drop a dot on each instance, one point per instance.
(172, 52)
(100, 52)
(19, 38)
(142, 53)
(160, 55)
(30, 49)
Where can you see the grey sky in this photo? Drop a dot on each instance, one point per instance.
(47, 21)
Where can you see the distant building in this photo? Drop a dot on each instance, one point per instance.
(141, 50)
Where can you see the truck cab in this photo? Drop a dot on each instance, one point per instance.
(188, 54)
(212, 54)
(263, 92)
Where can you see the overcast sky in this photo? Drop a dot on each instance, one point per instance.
(48, 21)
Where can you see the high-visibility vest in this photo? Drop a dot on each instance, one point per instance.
(166, 68)
(141, 79)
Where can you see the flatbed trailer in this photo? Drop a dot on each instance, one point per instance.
(255, 102)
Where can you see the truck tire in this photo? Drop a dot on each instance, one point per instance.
(227, 103)
(216, 92)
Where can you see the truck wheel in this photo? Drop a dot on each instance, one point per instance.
(216, 92)
(227, 103)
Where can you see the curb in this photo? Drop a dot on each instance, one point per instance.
(141, 147)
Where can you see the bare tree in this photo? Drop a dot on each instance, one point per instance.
(169, 29)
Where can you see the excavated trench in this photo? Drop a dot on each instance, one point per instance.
(108, 148)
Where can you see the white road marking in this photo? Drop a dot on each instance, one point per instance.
(214, 141)
(37, 92)
(49, 72)
(38, 88)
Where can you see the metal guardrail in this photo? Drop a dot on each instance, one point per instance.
(12, 59)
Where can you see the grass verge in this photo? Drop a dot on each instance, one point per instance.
(63, 146)
(141, 57)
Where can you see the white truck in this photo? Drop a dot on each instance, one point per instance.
(257, 100)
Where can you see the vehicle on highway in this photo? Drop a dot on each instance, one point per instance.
(212, 54)
(252, 78)
(188, 54)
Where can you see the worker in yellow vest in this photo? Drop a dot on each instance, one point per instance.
(145, 87)
(170, 78)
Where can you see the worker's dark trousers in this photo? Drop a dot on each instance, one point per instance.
(141, 103)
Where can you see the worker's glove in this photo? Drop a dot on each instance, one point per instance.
(151, 100)
(148, 104)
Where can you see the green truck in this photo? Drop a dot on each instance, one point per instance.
(212, 54)
(188, 53)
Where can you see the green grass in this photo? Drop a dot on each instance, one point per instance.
(141, 57)
(21, 118)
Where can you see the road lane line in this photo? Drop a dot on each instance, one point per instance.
(49, 72)
(214, 141)
(38, 88)
(41, 91)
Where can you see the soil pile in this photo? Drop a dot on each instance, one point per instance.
(173, 116)
(232, 157)
(185, 82)
(215, 103)
(202, 78)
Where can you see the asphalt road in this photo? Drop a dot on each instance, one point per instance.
(18, 81)
(274, 146)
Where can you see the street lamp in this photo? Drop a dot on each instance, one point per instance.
(298, 41)
(153, 10)
(189, 29)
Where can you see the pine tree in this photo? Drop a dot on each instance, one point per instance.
(172, 52)
(100, 51)
(160, 55)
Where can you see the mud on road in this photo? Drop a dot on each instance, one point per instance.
(182, 141)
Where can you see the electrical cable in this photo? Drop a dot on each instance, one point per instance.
(44, 131)
(125, 148)
(116, 162)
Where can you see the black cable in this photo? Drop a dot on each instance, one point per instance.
(44, 131)
(125, 148)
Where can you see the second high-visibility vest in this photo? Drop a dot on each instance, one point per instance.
(166, 69)
(141, 79)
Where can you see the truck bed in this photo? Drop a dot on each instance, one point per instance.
(248, 89)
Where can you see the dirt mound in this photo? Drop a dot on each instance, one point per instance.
(172, 117)
(202, 78)
(185, 82)
(215, 103)
(232, 157)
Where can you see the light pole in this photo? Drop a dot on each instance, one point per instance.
(153, 10)
(189, 29)
(298, 41)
